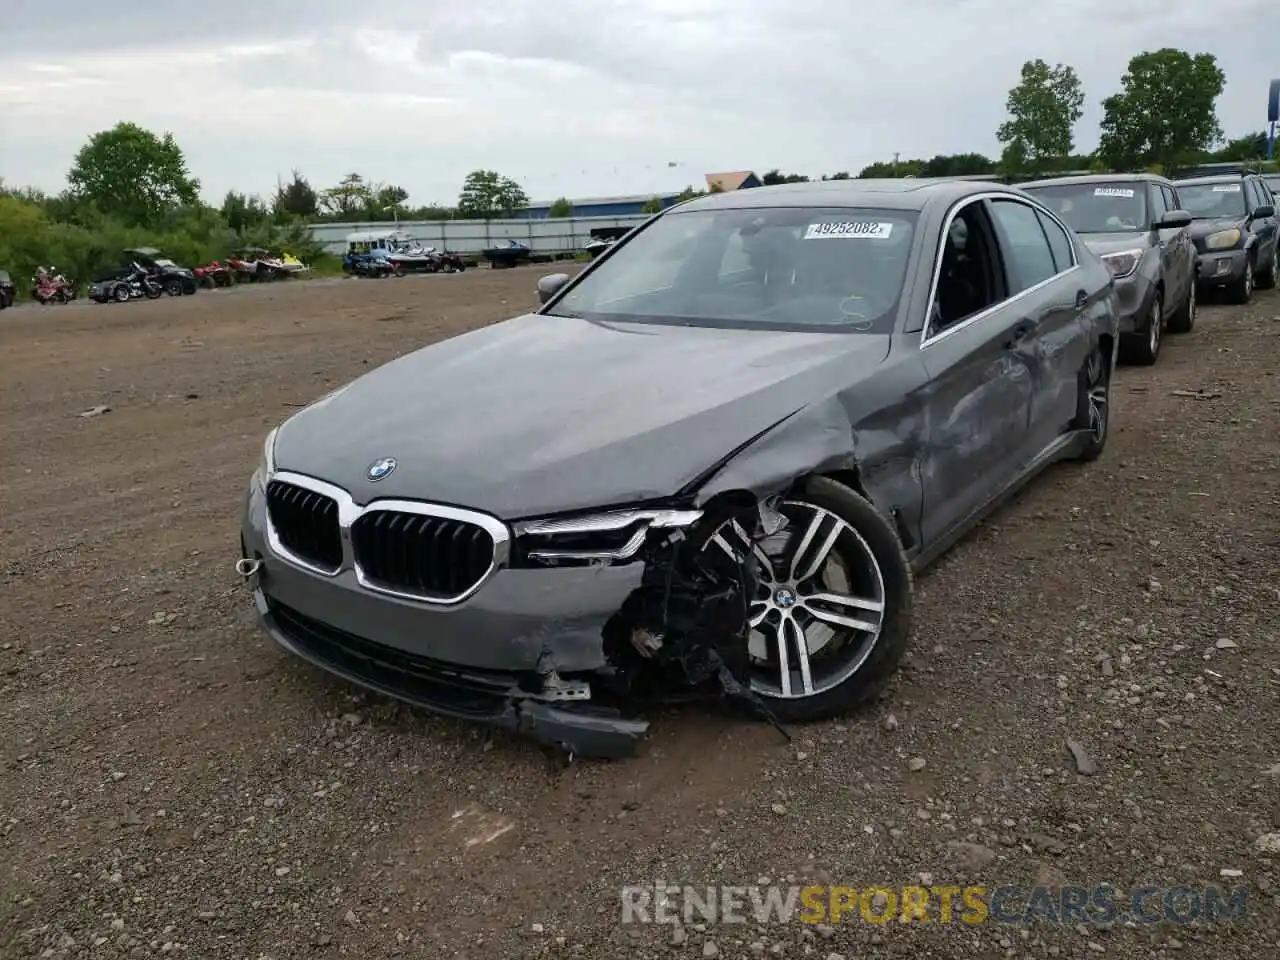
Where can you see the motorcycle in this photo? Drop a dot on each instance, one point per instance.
(49, 286)
(135, 286)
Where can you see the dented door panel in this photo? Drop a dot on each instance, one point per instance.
(979, 400)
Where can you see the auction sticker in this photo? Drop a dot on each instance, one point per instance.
(1226, 188)
(850, 230)
(1124, 192)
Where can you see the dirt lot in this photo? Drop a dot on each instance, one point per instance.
(171, 782)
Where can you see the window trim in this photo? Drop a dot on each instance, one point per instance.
(925, 338)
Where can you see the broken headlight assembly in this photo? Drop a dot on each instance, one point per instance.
(612, 537)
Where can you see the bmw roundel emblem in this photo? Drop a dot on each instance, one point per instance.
(380, 469)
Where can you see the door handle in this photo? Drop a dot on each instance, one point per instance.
(1082, 298)
(1020, 333)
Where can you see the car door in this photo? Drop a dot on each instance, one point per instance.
(1184, 251)
(1263, 227)
(1049, 299)
(1166, 246)
(977, 402)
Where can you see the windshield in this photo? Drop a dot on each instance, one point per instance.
(162, 262)
(1212, 201)
(1119, 207)
(774, 268)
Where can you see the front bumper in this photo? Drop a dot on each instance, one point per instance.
(1134, 295)
(1218, 268)
(474, 659)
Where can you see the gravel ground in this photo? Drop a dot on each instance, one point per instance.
(172, 783)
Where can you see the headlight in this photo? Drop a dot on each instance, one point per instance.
(613, 537)
(267, 465)
(1222, 240)
(1122, 263)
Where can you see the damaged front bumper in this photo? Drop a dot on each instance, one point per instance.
(519, 654)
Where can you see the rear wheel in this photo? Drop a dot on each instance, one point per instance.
(1143, 348)
(1093, 403)
(832, 612)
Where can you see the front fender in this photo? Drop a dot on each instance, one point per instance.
(815, 439)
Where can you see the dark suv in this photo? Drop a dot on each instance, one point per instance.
(1234, 228)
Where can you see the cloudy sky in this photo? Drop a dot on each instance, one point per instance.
(574, 97)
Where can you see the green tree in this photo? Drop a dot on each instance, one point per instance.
(841, 175)
(487, 194)
(561, 208)
(1043, 109)
(1164, 113)
(775, 176)
(651, 206)
(350, 198)
(295, 199)
(688, 193)
(1252, 146)
(130, 173)
(242, 212)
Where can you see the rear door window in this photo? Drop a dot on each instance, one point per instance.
(1027, 253)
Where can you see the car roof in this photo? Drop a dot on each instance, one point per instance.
(1215, 178)
(1097, 178)
(890, 194)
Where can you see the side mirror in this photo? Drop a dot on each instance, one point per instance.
(1174, 220)
(550, 285)
(1264, 211)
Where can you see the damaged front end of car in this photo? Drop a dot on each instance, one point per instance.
(683, 632)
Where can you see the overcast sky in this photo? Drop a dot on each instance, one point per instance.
(575, 97)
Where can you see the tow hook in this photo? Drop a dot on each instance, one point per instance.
(248, 568)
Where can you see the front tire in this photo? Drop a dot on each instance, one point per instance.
(832, 613)
(121, 293)
(173, 288)
(1185, 319)
(1241, 292)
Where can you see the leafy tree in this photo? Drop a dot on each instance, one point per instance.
(688, 193)
(1043, 109)
(241, 211)
(386, 199)
(842, 175)
(130, 173)
(348, 199)
(1164, 113)
(296, 198)
(487, 194)
(651, 206)
(1252, 146)
(775, 176)
(561, 208)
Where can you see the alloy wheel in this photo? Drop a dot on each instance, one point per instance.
(819, 605)
(1099, 395)
(1153, 325)
(1192, 304)
(1248, 280)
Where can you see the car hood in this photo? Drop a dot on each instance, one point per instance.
(545, 414)
(1104, 243)
(1202, 228)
